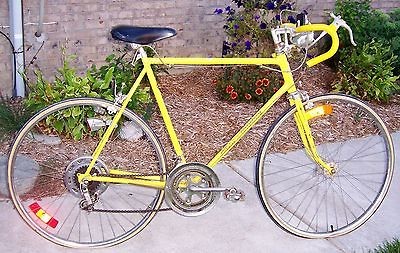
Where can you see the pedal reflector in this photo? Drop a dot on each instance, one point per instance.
(319, 111)
(42, 215)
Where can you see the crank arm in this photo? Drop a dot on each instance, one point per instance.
(207, 189)
(231, 194)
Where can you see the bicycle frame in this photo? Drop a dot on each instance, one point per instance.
(301, 117)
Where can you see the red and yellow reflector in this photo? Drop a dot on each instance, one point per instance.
(318, 111)
(42, 215)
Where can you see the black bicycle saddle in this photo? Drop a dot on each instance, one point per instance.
(141, 35)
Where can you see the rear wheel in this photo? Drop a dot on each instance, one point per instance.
(55, 146)
(300, 196)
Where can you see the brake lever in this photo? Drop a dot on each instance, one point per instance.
(347, 27)
(339, 22)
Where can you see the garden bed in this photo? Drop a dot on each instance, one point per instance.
(205, 123)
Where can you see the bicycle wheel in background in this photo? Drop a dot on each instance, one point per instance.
(55, 145)
(299, 195)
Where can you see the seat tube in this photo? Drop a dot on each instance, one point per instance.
(163, 109)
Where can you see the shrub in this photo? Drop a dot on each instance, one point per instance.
(369, 24)
(117, 74)
(248, 29)
(371, 69)
(367, 72)
(123, 77)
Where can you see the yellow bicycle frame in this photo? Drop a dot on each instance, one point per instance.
(301, 117)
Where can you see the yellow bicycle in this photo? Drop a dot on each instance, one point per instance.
(322, 170)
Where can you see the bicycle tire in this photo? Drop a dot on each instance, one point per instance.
(304, 200)
(44, 162)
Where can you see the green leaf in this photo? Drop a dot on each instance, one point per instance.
(107, 79)
(76, 111)
(67, 113)
(77, 132)
(97, 84)
(58, 125)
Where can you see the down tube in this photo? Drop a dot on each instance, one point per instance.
(249, 124)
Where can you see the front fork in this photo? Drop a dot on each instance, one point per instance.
(302, 117)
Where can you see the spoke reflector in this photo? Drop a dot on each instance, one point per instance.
(42, 215)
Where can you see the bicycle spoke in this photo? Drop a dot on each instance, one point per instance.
(321, 204)
(47, 175)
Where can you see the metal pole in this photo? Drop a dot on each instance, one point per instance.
(17, 38)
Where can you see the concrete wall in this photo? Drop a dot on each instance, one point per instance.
(84, 25)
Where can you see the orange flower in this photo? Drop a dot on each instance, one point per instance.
(234, 95)
(259, 91)
(229, 89)
(259, 83)
(265, 81)
(247, 96)
(214, 81)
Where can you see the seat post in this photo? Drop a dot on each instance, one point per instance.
(142, 53)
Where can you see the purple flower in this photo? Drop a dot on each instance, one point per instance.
(228, 9)
(234, 44)
(257, 17)
(270, 5)
(283, 7)
(263, 25)
(292, 19)
(218, 11)
(289, 6)
(248, 45)
(278, 17)
(236, 26)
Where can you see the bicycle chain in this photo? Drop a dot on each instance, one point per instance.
(129, 211)
(91, 209)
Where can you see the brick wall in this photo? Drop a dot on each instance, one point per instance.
(85, 24)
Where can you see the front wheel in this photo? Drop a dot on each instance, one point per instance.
(299, 195)
(56, 145)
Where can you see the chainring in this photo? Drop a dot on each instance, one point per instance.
(184, 201)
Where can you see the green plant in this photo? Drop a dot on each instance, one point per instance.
(367, 72)
(247, 26)
(370, 24)
(388, 247)
(123, 76)
(13, 115)
(247, 84)
(117, 74)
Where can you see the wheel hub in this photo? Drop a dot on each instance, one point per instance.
(79, 166)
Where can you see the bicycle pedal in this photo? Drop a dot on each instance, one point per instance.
(234, 195)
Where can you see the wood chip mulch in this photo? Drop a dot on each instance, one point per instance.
(205, 123)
